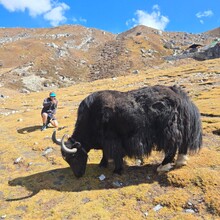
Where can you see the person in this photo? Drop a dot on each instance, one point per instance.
(49, 110)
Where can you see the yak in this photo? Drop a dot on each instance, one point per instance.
(132, 124)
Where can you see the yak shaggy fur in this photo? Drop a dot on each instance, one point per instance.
(133, 124)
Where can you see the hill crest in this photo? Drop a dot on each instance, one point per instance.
(48, 58)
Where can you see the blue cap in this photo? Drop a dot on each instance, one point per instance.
(52, 94)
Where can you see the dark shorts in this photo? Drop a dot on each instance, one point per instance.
(49, 117)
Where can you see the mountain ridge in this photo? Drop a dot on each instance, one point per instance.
(47, 58)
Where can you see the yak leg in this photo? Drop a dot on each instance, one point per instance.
(113, 150)
(118, 159)
(104, 161)
(182, 157)
(117, 155)
(167, 162)
(181, 160)
(172, 140)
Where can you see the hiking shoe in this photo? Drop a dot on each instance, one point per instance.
(49, 125)
(44, 127)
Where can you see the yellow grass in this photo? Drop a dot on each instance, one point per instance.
(51, 190)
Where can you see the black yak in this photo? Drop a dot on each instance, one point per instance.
(133, 124)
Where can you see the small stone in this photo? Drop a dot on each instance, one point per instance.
(189, 211)
(148, 177)
(117, 184)
(135, 71)
(189, 203)
(47, 151)
(25, 91)
(85, 200)
(145, 214)
(157, 207)
(138, 162)
(18, 160)
(200, 200)
(102, 177)
(29, 164)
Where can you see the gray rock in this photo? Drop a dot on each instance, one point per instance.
(85, 200)
(102, 177)
(47, 151)
(209, 52)
(157, 207)
(189, 211)
(117, 184)
(135, 71)
(146, 214)
(18, 160)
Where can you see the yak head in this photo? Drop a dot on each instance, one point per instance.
(73, 153)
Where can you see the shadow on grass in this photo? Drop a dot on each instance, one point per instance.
(35, 128)
(29, 129)
(216, 132)
(63, 179)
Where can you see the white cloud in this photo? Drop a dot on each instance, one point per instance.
(207, 13)
(34, 7)
(156, 7)
(153, 19)
(51, 10)
(56, 15)
(79, 20)
(201, 21)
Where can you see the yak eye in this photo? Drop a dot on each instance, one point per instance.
(67, 156)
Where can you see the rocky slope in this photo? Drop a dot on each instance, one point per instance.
(39, 59)
(215, 32)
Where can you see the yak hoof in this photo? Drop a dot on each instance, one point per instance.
(103, 163)
(118, 171)
(164, 168)
(139, 162)
(181, 160)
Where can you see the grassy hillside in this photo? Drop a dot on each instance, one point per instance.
(36, 185)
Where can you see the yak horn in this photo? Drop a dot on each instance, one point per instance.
(54, 139)
(65, 148)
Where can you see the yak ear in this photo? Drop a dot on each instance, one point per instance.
(158, 105)
(76, 145)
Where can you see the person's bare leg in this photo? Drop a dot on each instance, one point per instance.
(44, 118)
(54, 123)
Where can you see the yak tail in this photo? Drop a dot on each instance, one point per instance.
(191, 126)
(195, 135)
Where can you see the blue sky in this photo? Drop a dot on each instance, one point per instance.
(116, 16)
